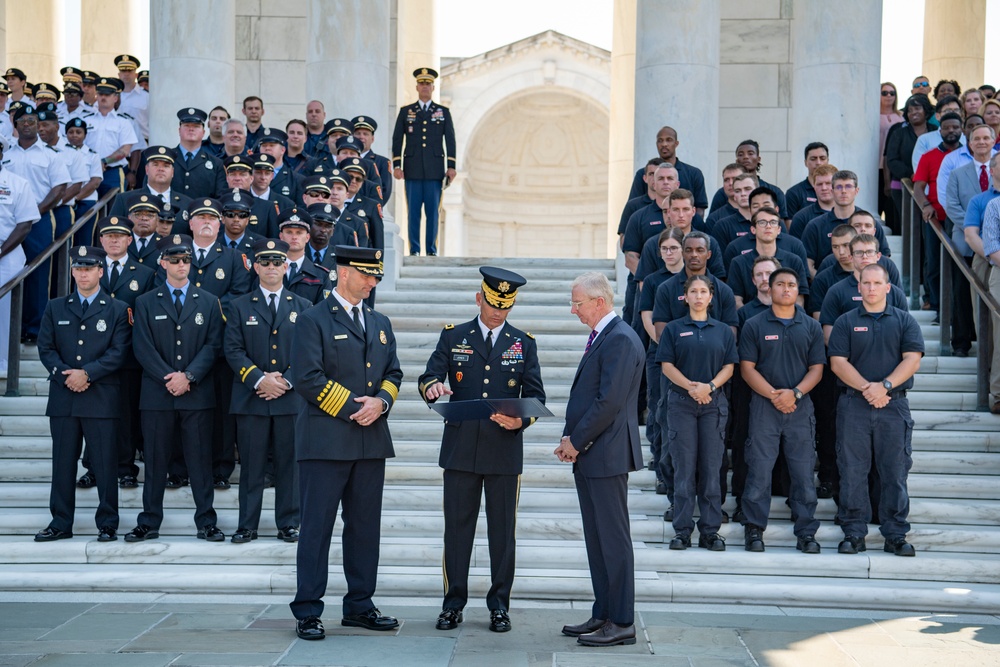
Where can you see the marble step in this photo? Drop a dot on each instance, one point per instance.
(520, 264)
(470, 285)
(539, 272)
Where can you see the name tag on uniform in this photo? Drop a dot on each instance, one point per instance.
(861, 328)
(772, 338)
(252, 322)
(686, 333)
(63, 322)
(741, 233)
(160, 317)
(5, 196)
(743, 252)
(340, 337)
(655, 222)
(857, 298)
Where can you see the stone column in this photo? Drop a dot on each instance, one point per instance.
(677, 80)
(620, 148)
(3, 34)
(192, 61)
(836, 60)
(105, 32)
(954, 41)
(35, 45)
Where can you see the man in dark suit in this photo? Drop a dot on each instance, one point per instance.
(258, 346)
(197, 173)
(177, 338)
(82, 342)
(236, 209)
(486, 357)
(601, 439)
(344, 365)
(263, 222)
(425, 162)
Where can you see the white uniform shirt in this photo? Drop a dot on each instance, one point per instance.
(17, 203)
(136, 105)
(92, 163)
(40, 165)
(106, 134)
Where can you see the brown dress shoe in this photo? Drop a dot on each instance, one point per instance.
(590, 625)
(610, 634)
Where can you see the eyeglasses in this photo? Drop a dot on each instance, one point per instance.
(319, 194)
(577, 304)
(242, 215)
(357, 178)
(844, 187)
(186, 259)
(767, 223)
(922, 84)
(864, 253)
(888, 93)
(271, 262)
(671, 248)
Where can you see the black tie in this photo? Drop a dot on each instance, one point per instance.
(489, 340)
(293, 268)
(142, 245)
(177, 301)
(316, 258)
(274, 308)
(357, 319)
(84, 305)
(115, 272)
(201, 256)
(232, 244)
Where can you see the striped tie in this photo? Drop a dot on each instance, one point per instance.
(590, 340)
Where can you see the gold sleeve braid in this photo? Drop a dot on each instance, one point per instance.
(245, 372)
(390, 388)
(426, 385)
(333, 397)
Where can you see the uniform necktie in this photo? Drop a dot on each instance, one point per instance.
(232, 244)
(84, 305)
(177, 300)
(274, 307)
(489, 340)
(984, 180)
(115, 272)
(590, 340)
(142, 244)
(357, 318)
(201, 256)
(293, 268)
(316, 258)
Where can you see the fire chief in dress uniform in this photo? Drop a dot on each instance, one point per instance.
(344, 365)
(486, 357)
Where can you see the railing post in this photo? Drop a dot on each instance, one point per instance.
(984, 354)
(916, 233)
(14, 345)
(906, 232)
(945, 304)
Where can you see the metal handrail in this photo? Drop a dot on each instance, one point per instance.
(912, 225)
(15, 287)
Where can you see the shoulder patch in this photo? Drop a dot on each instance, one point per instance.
(529, 335)
(449, 327)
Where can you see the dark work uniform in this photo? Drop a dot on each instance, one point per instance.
(884, 262)
(257, 342)
(146, 253)
(312, 283)
(874, 345)
(830, 274)
(740, 274)
(650, 259)
(730, 228)
(119, 206)
(479, 454)
(801, 219)
(164, 343)
(745, 244)
(286, 183)
(96, 340)
(264, 218)
(384, 168)
(201, 176)
(327, 258)
(782, 352)
(695, 435)
(368, 214)
(816, 237)
(721, 213)
(631, 206)
(719, 199)
(739, 410)
(689, 177)
(844, 296)
(797, 197)
(332, 364)
(243, 246)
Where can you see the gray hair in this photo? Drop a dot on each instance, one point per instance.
(233, 121)
(596, 285)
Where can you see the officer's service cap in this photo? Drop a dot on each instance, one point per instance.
(272, 135)
(192, 115)
(143, 76)
(270, 248)
(29, 88)
(175, 244)
(236, 200)
(87, 255)
(159, 153)
(204, 205)
(338, 125)
(425, 74)
(294, 217)
(24, 110)
(114, 224)
(46, 91)
(316, 182)
(109, 85)
(13, 71)
(351, 143)
(72, 88)
(125, 62)
(337, 176)
(366, 260)
(77, 122)
(355, 164)
(237, 162)
(71, 75)
(365, 122)
(90, 77)
(263, 161)
(4, 88)
(167, 212)
(323, 212)
(500, 286)
(141, 202)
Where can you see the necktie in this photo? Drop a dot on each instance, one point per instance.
(984, 180)
(84, 305)
(177, 300)
(201, 256)
(292, 270)
(489, 340)
(316, 258)
(274, 307)
(232, 244)
(115, 272)
(142, 245)
(357, 318)
(590, 340)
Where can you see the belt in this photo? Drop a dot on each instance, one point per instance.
(899, 393)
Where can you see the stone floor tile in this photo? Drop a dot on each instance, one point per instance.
(39, 647)
(107, 660)
(212, 641)
(191, 620)
(371, 652)
(39, 615)
(602, 657)
(233, 659)
(104, 626)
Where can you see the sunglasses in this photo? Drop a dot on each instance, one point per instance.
(241, 215)
(356, 178)
(923, 84)
(271, 262)
(888, 93)
(179, 260)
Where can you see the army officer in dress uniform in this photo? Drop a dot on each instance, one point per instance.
(82, 342)
(344, 365)
(486, 357)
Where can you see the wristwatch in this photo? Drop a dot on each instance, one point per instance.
(190, 376)
(797, 393)
(887, 385)
(711, 385)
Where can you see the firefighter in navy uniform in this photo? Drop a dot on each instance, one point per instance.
(364, 130)
(142, 213)
(486, 357)
(82, 342)
(303, 277)
(236, 210)
(362, 212)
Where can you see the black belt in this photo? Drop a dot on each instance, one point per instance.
(899, 393)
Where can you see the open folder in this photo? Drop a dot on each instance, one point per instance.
(458, 411)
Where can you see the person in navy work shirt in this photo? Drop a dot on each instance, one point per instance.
(748, 157)
(803, 193)
(781, 359)
(874, 350)
(697, 354)
(765, 225)
(691, 177)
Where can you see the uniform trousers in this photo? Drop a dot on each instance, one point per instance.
(256, 433)
(67, 441)
(606, 533)
(695, 439)
(128, 435)
(866, 434)
(84, 235)
(653, 434)
(665, 464)
(114, 177)
(423, 194)
(739, 431)
(324, 486)
(825, 394)
(768, 427)
(223, 423)
(162, 431)
(462, 494)
(36, 286)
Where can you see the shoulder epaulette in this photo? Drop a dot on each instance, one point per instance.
(449, 327)
(529, 335)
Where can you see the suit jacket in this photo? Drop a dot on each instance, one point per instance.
(244, 247)
(205, 176)
(257, 343)
(311, 282)
(165, 342)
(96, 341)
(963, 185)
(332, 364)
(423, 142)
(226, 273)
(509, 370)
(149, 255)
(264, 218)
(134, 280)
(286, 184)
(601, 418)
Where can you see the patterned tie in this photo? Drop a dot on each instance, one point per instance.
(590, 340)
(984, 180)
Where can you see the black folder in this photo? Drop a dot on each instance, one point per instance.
(458, 411)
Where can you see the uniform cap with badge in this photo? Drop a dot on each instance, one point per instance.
(204, 205)
(354, 164)
(89, 77)
(236, 200)
(364, 122)
(4, 88)
(113, 224)
(109, 85)
(327, 213)
(72, 89)
(143, 76)
(87, 255)
(316, 182)
(47, 111)
(29, 88)
(71, 75)
(175, 244)
(425, 75)
(294, 217)
(270, 248)
(46, 91)
(339, 125)
(350, 143)
(126, 63)
(237, 163)
(500, 286)
(23, 110)
(192, 115)
(13, 71)
(263, 162)
(159, 153)
(337, 176)
(143, 202)
(272, 135)
(366, 260)
(167, 212)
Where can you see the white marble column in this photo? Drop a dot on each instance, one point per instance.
(34, 45)
(954, 41)
(677, 80)
(192, 61)
(3, 34)
(836, 60)
(622, 129)
(105, 32)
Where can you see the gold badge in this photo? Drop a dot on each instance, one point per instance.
(504, 287)
(102, 326)
(199, 319)
(512, 383)
(458, 376)
(220, 274)
(378, 254)
(270, 245)
(381, 337)
(134, 285)
(292, 316)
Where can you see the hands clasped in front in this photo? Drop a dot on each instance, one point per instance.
(371, 409)
(566, 452)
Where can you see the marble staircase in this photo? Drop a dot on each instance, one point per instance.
(955, 504)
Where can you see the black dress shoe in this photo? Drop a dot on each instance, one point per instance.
(268, 480)
(609, 634)
(244, 536)
(174, 482)
(87, 480)
(725, 517)
(712, 542)
(753, 538)
(128, 482)
(449, 619)
(661, 488)
(371, 620)
(52, 534)
(107, 534)
(739, 516)
(590, 625)
(807, 544)
(499, 621)
(288, 534)
(824, 490)
(141, 533)
(851, 545)
(961, 353)
(220, 482)
(899, 546)
(211, 534)
(669, 514)
(680, 542)
(310, 628)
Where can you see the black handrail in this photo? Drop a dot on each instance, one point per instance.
(15, 287)
(913, 231)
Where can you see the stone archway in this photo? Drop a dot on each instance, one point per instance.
(536, 178)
